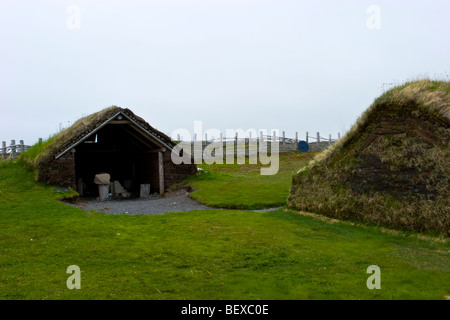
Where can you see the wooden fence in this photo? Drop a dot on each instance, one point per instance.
(231, 145)
(236, 145)
(13, 150)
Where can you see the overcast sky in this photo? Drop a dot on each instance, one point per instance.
(261, 64)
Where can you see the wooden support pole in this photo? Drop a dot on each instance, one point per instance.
(307, 137)
(161, 172)
(80, 186)
(13, 149)
(274, 140)
(318, 137)
(296, 137)
(4, 150)
(22, 146)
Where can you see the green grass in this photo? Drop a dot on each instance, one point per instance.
(235, 186)
(214, 254)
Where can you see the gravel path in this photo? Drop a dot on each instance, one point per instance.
(156, 204)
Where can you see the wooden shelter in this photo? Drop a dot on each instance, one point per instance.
(113, 141)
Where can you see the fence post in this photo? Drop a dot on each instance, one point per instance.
(307, 138)
(261, 146)
(339, 135)
(4, 150)
(318, 137)
(329, 139)
(274, 140)
(22, 146)
(296, 137)
(284, 139)
(13, 149)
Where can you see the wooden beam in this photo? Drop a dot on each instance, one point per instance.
(147, 133)
(120, 122)
(123, 151)
(144, 140)
(161, 172)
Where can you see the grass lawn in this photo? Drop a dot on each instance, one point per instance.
(243, 187)
(214, 254)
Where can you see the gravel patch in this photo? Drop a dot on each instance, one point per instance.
(156, 204)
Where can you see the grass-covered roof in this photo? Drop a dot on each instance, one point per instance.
(41, 153)
(392, 167)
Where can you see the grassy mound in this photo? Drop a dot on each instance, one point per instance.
(392, 168)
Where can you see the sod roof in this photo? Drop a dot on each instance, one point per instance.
(63, 141)
(392, 168)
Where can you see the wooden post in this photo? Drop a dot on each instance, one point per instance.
(247, 147)
(22, 146)
(318, 137)
(274, 139)
(222, 144)
(134, 165)
(329, 139)
(296, 137)
(80, 186)
(339, 135)
(307, 137)
(284, 139)
(204, 143)
(260, 145)
(161, 172)
(4, 150)
(13, 149)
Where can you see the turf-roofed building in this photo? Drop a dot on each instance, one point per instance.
(113, 141)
